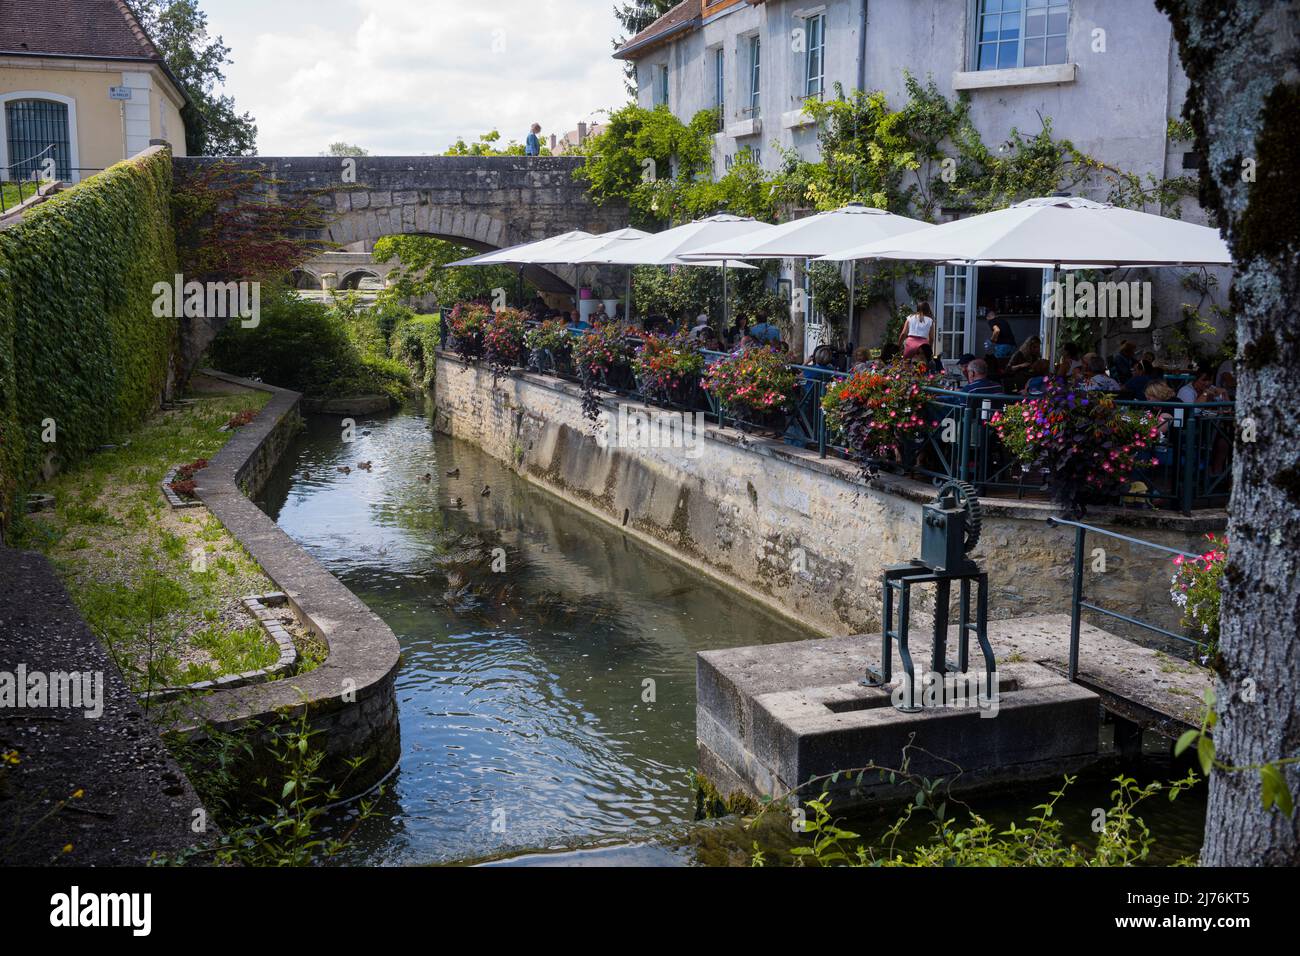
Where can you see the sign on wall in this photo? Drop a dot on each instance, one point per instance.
(119, 92)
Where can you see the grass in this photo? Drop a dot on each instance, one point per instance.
(12, 190)
(161, 588)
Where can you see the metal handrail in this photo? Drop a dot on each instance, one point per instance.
(976, 456)
(1077, 602)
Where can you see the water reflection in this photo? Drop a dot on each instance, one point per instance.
(530, 633)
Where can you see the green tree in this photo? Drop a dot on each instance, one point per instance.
(346, 149)
(486, 145)
(422, 260)
(180, 31)
(635, 16)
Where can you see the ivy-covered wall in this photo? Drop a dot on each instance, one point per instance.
(79, 344)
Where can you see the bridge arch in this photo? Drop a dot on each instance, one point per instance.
(481, 202)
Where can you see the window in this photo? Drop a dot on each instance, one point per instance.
(815, 61)
(661, 87)
(720, 87)
(950, 337)
(755, 59)
(37, 129)
(1014, 33)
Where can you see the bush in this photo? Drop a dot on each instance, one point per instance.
(304, 346)
(600, 350)
(79, 341)
(552, 334)
(413, 343)
(759, 380)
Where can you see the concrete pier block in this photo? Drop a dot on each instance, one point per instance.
(769, 718)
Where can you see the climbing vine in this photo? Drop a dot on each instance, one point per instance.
(82, 355)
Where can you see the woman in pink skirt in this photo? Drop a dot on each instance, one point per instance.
(917, 330)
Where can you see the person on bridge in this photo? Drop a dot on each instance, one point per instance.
(533, 145)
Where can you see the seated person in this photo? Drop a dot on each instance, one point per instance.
(707, 338)
(1121, 363)
(888, 352)
(1038, 376)
(1095, 378)
(1202, 388)
(765, 331)
(861, 361)
(1136, 384)
(926, 354)
(701, 323)
(821, 361)
(1024, 357)
(576, 323)
(977, 379)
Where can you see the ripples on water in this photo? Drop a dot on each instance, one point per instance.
(520, 693)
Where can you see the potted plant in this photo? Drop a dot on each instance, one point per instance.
(878, 413)
(600, 357)
(668, 368)
(1196, 588)
(503, 340)
(756, 387)
(549, 347)
(467, 324)
(1088, 446)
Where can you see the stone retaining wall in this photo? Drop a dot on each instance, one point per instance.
(800, 533)
(350, 696)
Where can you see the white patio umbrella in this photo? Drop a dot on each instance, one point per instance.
(668, 248)
(540, 252)
(1055, 232)
(816, 235)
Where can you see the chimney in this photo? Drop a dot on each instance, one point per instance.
(582, 133)
(552, 142)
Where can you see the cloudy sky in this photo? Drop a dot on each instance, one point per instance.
(405, 77)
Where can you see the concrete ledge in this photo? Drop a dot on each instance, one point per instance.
(350, 696)
(770, 718)
(1020, 76)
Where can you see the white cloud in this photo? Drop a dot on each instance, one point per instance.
(409, 76)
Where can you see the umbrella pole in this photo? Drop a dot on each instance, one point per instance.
(627, 308)
(853, 275)
(723, 330)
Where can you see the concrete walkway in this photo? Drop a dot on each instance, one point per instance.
(1154, 690)
(134, 800)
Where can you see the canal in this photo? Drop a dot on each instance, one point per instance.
(547, 686)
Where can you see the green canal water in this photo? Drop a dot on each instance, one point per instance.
(547, 686)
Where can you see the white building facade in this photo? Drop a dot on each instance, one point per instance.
(1105, 72)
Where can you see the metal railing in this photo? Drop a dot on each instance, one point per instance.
(960, 443)
(14, 192)
(1078, 604)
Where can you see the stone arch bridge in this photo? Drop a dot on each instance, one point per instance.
(483, 202)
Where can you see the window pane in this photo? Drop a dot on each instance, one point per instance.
(1036, 3)
(1036, 23)
(991, 6)
(1034, 52)
(989, 29)
(1007, 53)
(1056, 50)
(988, 58)
(1010, 26)
(1057, 21)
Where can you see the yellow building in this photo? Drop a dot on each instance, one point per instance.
(81, 83)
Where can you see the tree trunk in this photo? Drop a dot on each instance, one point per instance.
(1241, 58)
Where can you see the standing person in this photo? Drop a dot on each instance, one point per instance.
(1002, 338)
(917, 330)
(1121, 363)
(533, 145)
(765, 331)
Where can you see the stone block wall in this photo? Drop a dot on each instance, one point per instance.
(802, 534)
